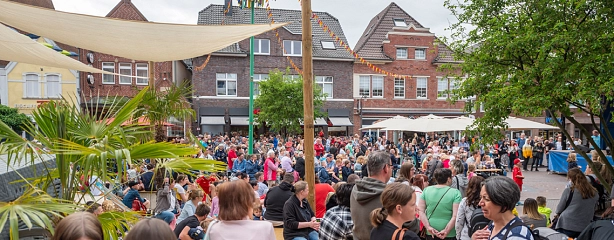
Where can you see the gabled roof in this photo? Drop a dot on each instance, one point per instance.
(125, 9)
(38, 3)
(371, 46)
(214, 15)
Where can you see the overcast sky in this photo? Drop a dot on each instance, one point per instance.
(354, 15)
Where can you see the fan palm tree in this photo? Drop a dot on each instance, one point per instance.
(87, 146)
(159, 106)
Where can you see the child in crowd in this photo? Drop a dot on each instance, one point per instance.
(258, 212)
(198, 233)
(470, 171)
(215, 202)
(541, 208)
(254, 185)
(517, 174)
(572, 162)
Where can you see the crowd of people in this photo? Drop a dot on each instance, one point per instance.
(365, 188)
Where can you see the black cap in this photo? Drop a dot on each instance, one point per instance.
(132, 183)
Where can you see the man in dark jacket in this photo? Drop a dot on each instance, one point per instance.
(366, 193)
(276, 198)
(300, 165)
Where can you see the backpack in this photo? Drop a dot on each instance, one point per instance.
(518, 223)
(477, 221)
(431, 169)
(138, 206)
(459, 187)
(603, 196)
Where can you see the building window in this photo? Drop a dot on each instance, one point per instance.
(377, 84)
(293, 48)
(53, 86)
(142, 71)
(257, 79)
(399, 22)
(442, 88)
(365, 86)
(454, 84)
(401, 53)
(292, 77)
(326, 83)
(420, 53)
(31, 89)
(125, 69)
(399, 88)
(226, 84)
(421, 87)
(328, 45)
(262, 46)
(108, 78)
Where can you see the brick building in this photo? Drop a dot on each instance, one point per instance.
(96, 87)
(396, 42)
(222, 87)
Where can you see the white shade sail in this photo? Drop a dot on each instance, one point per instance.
(17, 47)
(212, 120)
(129, 39)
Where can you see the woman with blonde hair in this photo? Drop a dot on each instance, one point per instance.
(195, 197)
(398, 207)
(299, 220)
(572, 162)
(236, 213)
(532, 217)
(78, 226)
(358, 167)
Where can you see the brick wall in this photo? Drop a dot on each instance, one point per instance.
(412, 67)
(204, 82)
(162, 70)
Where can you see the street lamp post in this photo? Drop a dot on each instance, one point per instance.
(250, 149)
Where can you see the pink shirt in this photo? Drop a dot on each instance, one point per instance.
(270, 170)
(242, 229)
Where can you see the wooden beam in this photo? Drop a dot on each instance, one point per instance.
(308, 100)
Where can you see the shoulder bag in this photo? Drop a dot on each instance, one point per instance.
(556, 218)
(423, 231)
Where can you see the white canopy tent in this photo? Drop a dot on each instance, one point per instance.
(433, 123)
(515, 123)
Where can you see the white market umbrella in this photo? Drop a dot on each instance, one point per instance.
(515, 123)
(383, 124)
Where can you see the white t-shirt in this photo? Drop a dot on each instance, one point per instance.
(93, 186)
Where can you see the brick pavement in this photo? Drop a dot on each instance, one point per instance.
(544, 184)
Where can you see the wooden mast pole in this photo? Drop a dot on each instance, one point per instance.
(308, 99)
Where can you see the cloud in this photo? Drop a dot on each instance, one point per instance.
(354, 15)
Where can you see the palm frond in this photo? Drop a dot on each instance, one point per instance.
(187, 165)
(34, 207)
(114, 223)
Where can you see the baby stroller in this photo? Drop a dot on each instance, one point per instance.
(549, 234)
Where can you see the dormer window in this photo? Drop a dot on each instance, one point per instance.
(399, 22)
(328, 45)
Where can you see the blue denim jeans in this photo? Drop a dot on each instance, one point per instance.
(313, 235)
(166, 216)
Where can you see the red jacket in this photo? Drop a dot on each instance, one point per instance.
(515, 173)
(231, 156)
(319, 148)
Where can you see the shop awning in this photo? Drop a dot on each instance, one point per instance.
(136, 40)
(240, 121)
(212, 120)
(341, 122)
(318, 122)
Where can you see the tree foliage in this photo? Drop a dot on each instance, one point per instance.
(13, 118)
(526, 57)
(281, 102)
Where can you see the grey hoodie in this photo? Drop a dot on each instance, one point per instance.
(365, 197)
(462, 183)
